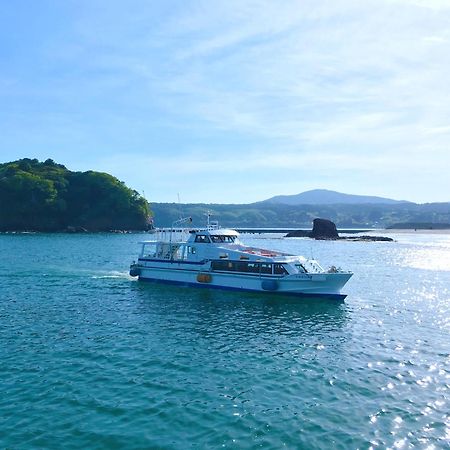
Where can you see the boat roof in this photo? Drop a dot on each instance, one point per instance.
(217, 232)
(179, 235)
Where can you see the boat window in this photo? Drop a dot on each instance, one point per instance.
(301, 268)
(252, 267)
(220, 238)
(149, 249)
(266, 268)
(220, 265)
(279, 269)
(202, 239)
(236, 266)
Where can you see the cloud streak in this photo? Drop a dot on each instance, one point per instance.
(302, 94)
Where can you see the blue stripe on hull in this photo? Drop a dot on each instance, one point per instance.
(339, 297)
(174, 261)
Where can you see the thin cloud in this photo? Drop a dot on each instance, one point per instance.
(290, 94)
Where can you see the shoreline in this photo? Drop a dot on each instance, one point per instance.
(417, 231)
(260, 231)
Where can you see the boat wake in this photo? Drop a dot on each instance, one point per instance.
(113, 274)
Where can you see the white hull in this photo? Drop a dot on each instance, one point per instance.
(328, 284)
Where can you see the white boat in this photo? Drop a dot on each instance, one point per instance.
(215, 257)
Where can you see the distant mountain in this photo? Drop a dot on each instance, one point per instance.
(326, 197)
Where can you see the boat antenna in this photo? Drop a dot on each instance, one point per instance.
(208, 215)
(311, 250)
(180, 212)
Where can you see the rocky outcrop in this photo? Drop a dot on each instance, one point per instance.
(324, 229)
(366, 238)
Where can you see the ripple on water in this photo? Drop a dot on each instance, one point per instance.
(93, 359)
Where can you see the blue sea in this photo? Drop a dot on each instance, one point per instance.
(93, 359)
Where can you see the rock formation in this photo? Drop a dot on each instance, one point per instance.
(324, 229)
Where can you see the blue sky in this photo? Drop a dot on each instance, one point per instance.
(232, 101)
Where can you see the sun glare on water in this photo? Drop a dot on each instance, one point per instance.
(430, 257)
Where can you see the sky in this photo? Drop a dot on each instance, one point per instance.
(232, 101)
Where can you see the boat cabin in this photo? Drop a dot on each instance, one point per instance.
(225, 252)
(187, 245)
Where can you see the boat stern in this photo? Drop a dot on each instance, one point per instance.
(135, 270)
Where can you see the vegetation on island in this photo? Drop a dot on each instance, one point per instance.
(268, 215)
(45, 196)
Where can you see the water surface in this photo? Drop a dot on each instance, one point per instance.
(91, 358)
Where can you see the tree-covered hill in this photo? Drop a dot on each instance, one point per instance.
(45, 196)
(260, 215)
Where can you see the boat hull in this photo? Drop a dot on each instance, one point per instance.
(336, 297)
(324, 285)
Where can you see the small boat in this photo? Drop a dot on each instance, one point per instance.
(215, 257)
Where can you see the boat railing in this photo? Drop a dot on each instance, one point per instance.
(212, 225)
(178, 234)
(174, 235)
(313, 266)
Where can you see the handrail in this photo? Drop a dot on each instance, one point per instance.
(178, 222)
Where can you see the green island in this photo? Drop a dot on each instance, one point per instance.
(46, 196)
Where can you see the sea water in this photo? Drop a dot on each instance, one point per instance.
(91, 358)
